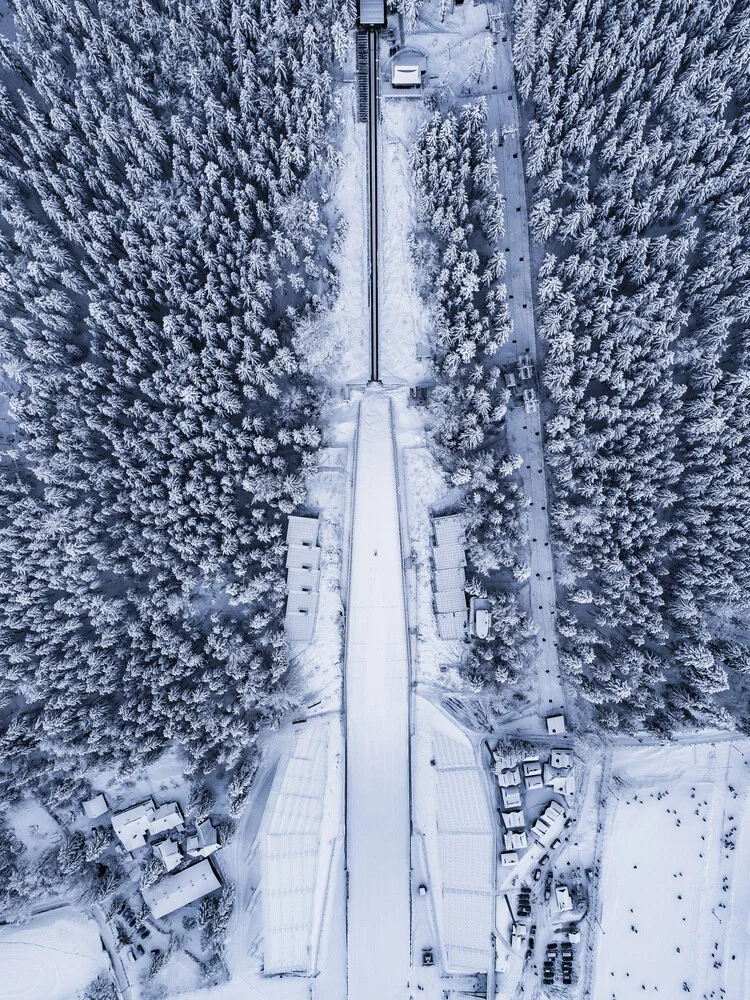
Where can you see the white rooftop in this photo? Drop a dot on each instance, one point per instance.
(303, 557)
(447, 601)
(132, 825)
(290, 862)
(555, 724)
(175, 891)
(302, 531)
(514, 820)
(449, 530)
(95, 807)
(169, 852)
(511, 797)
(450, 579)
(303, 580)
(452, 624)
(299, 621)
(449, 556)
(405, 76)
(166, 817)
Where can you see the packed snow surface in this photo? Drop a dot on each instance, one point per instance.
(676, 890)
(50, 958)
(377, 723)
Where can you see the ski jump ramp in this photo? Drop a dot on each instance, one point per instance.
(377, 724)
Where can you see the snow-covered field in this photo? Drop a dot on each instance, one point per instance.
(50, 958)
(675, 896)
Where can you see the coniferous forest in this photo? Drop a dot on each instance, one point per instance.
(638, 152)
(160, 238)
(454, 172)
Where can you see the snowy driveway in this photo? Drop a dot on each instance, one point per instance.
(377, 725)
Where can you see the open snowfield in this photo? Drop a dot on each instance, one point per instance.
(50, 958)
(675, 896)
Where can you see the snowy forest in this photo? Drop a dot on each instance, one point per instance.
(454, 171)
(638, 152)
(160, 239)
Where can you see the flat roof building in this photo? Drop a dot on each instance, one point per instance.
(450, 579)
(372, 13)
(178, 890)
(508, 858)
(555, 724)
(562, 898)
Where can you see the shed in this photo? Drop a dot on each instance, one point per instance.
(95, 807)
(555, 724)
(175, 891)
(372, 13)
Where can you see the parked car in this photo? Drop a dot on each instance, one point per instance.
(537, 874)
(422, 889)
(428, 959)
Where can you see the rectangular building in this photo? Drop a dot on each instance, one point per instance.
(175, 891)
(372, 13)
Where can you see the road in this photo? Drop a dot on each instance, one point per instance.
(525, 431)
(377, 724)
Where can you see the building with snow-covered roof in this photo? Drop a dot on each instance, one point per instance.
(372, 13)
(204, 841)
(464, 862)
(511, 797)
(292, 865)
(175, 891)
(299, 621)
(515, 820)
(303, 580)
(555, 724)
(562, 780)
(515, 841)
(166, 817)
(508, 859)
(302, 531)
(447, 601)
(303, 557)
(560, 758)
(532, 767)
(95, 807)
(449, 530)
(534, 781)
(448, 556)
(550, 824)
(452, 624)
(562, 898)
(450, 579)
(509, 777)
(169, 852)
(132, 825)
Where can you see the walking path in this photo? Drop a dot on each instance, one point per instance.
(377, 724)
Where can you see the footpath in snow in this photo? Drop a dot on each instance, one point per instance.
(377, 724)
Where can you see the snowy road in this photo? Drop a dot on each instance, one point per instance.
(377, 724)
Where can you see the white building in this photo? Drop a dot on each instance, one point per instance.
(534, 781)
(132, 825)
(531, 768)
(204, 841)
(95, 807)
(175, 891)
(550, 824)
(514, 820)
(511, 797)
(506, 779)
(555, 724)
(562, 898)
(515, 841)
(169, 852)
(508, 859)
(166, 817)
(560, 758)
(562, 780)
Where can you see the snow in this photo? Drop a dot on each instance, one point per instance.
(377, 724)
(664, 866)
(33, 825)
(50, 958)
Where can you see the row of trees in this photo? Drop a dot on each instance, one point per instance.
(453, 167)
(160, 239)
(638, 151)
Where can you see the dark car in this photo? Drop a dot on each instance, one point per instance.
(537, 874)
(428, 959)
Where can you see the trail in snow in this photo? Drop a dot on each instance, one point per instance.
(377, 724)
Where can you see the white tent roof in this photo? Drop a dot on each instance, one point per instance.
(290, 840)
(176, 891)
